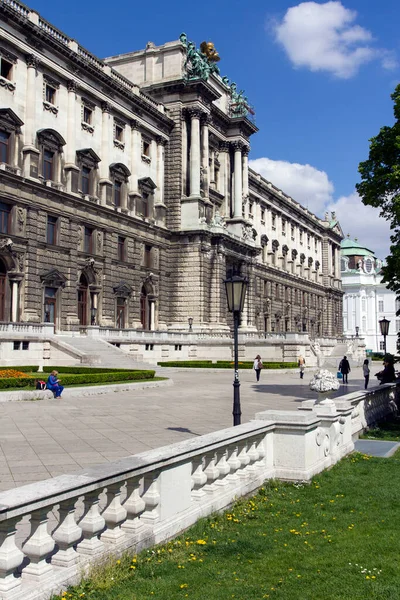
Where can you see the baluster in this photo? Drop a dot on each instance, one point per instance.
(234, 463)
(38, 547)
(66, 535)
(92, 524)
(199, 478)
(223, 468)
(261, 452)
(134, 506)
(211, 472)
(244, 461)
(10, 558)
(253, 455)
(114, 514)
(151, 498)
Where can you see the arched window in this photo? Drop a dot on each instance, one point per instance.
(51, 144)
(83, 296)
(3, 284)
(144, 309)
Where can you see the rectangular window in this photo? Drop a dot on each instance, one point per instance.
(145, 204)
(4, 147)
(88, 240)
(147, 256)
(292, 231)
(381, 345)
(87, 115)
(48, 165)
(52, 230)
(301, 236)
(50, 94)
(263, 215)
(25, 345)
(380, 306)
(308, 240)
(273, 221)
(250, 208)
(119, 133)
(283, 227)
(5, 69)
(17, 345)
(149, 347)
(5, 210)
(85, 180)
(121, 248)
(117, 193)
(146, 148)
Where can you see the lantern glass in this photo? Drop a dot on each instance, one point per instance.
(384, 325)
(236, 293)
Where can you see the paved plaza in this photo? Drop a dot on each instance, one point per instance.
(47, 438)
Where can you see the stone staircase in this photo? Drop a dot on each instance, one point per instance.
(99, 353)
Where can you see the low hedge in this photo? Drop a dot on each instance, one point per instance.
(82, 370)
(30, 382)
(207, 364)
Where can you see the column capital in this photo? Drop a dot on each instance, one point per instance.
(32, 61)
(195, 112)
(206, 119)
(246, 150)
(161, 141)
(105, 107)
(237, 145)
(134, 124)
(72, 85)
(224, 146)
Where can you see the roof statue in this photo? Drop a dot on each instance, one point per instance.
(200, 63)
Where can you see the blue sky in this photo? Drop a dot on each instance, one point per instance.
(319, 75)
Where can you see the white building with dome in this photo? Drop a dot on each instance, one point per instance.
(366, 299)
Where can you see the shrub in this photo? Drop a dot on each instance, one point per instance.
(82, 378)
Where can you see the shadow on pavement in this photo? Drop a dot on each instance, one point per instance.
(182, 430)
(302, 391)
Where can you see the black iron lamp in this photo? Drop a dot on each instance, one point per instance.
(357, 330)
(190, 320)
(384, 326)
(235, 288)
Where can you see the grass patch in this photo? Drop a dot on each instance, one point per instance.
(337, 538)
(385, 430)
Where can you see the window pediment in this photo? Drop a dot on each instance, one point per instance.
(120, 170)
(9, 120)
(51, 139)
(123, 289)
(53, 278)
(146, 184)
(88, 156)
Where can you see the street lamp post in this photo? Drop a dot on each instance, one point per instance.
(190, 320)
(384, 326)
(235, 288)
(357, 330)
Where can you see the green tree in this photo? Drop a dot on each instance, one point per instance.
(380, 187)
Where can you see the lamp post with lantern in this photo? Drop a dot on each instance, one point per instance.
(384, 327)
(235, 287)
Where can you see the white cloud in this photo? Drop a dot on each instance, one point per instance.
(304, 183)
(364, 223)
(324, 37)
(313, 189)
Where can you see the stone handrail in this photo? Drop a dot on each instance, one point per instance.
(18, 7)
(148, 498)
(55, 33)
(145, 499)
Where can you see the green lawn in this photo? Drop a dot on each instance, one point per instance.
(336, 539)
(385, 430)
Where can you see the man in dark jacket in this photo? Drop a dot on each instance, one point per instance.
(344, 368)
(387, 375)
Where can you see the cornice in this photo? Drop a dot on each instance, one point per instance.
(31, 30)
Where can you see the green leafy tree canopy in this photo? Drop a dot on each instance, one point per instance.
(380, 187)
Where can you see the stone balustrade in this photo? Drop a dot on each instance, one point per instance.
(147, 498)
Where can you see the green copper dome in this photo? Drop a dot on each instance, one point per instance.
(353, 248)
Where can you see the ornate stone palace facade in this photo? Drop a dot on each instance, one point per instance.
(126, 196)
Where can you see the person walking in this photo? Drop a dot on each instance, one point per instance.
(53, 384)
(366, 373)
(302, 365)
(257, 366)
(344, 368)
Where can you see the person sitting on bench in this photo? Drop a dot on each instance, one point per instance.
(53, 384)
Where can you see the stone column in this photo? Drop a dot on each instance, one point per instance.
(205, 153)
(238, 187)
(152, 315)
(195, 152)
(14, 304)
(135, 162)
(30, 153)
(160, 171)
(71, 124)
(223, 173)
(245, 183)
(105, 149)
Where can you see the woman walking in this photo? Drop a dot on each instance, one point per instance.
(257, 366)
(366, 373)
